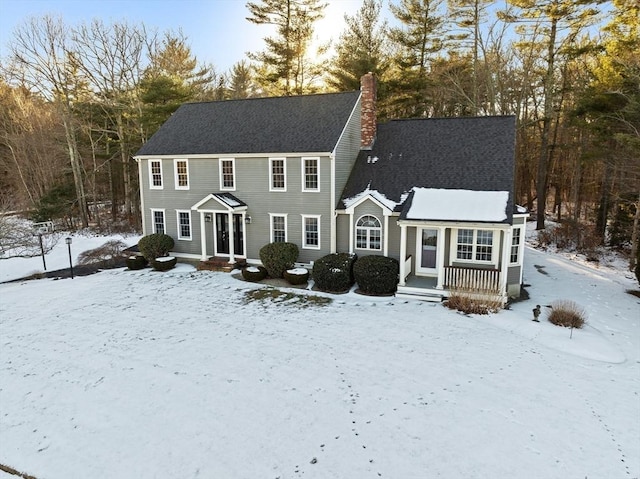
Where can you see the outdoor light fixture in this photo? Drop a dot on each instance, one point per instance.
(208, 217)
(247, 220)
(68, 240)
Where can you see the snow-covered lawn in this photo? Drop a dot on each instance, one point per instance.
(140, 374)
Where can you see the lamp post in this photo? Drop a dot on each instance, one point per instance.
(68, 240)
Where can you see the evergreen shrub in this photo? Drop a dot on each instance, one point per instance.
(254, 273)
(136, 262)
(278, 257)
(333, 273)
(296, 276)
(164, 263)
(155, 245)
(376, 275)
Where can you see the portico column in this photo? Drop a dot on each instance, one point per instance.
(232, 258)
(403, 254)
(385, 251)
(440, 247)
(506, 251)
(203, 238)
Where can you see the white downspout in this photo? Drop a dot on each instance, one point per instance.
(351, 232)
(506, 242)
(203, 238)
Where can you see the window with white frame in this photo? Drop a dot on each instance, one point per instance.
(227, 174)
(155, 174)
(516, 236)
(277, 174)
(278, 228)
(311, 232)
(369, 233)
(310, 174)
(157, 220)
(184, 224)
(181, 168)
(474, 245)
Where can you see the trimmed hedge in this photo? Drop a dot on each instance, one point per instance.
(333, 273)
(377, 275)
(136, 262)
(254, 273)
(278, 257)
(169, 262)
(296, 276)
(155, 245)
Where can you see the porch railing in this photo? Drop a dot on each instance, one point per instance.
(472, 279)
(407, 267)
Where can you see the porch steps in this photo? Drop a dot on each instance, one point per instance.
(421, 296)
(217, 264)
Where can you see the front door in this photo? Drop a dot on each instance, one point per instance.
(222, 234)
(427, 251)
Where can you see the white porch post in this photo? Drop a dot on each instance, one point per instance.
(244, 232)
(506, 247)
(440, 257)
(203, 238)
(403, 253)
(232, 259)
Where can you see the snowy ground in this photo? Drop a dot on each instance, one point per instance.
(160, 375)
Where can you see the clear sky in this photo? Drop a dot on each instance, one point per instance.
(217, 30)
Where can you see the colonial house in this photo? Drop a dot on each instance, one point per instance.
(225, 178)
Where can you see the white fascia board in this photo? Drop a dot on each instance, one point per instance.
(351, 209)
(209, 156)
(209, 197)
(457, 224)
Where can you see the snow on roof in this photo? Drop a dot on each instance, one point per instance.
(375, 194)
(458, 205)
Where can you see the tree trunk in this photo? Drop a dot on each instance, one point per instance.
(77, 171)
(634, 236)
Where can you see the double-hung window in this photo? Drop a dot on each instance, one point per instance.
(157, 221)
(310, 174)
(155, 174)
(278, 228)
(475, 245)
(368, 233)
(277, 174)
(181, 170)
(227, 174)
(311, 232)
(184, 224)
(516, 236)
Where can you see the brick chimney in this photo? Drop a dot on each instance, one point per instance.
(368, 119)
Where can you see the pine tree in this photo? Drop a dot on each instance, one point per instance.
(283, 65)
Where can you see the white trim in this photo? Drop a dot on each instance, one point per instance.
(304, 232)
(153, 219)
(209, 156)
(304, 170)
(211, 196)
(369, 228)
(203, 236)
(403, 255)
(142, 209)
(180, 237)
(151, 185)
(286, 228)
(334, 217)
(520, 245)
(495, 253)
(284, 169)
(175, 173)
(385, 210)
(233, 168)
(419, 269)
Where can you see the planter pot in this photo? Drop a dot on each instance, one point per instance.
(136, 262)
(296, 276)
(254, 273)
(164, 263)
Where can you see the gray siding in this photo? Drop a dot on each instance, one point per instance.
(393, 236)
(252, 187)
(513, 275)
(347, 151)
(342, 227)
(518, 221)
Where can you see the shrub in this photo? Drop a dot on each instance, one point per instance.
(164, 263)
(377, 275)
(296, 276)
(333, 273)
(470, 303)
(136, 262)
(254, 273)
(278, 257)
(109, 254)
(567, 313)
(155, 245)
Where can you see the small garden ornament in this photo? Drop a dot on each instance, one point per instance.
(536, 313)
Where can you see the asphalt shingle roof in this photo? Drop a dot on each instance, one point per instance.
(475, 154)
(309, 123)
